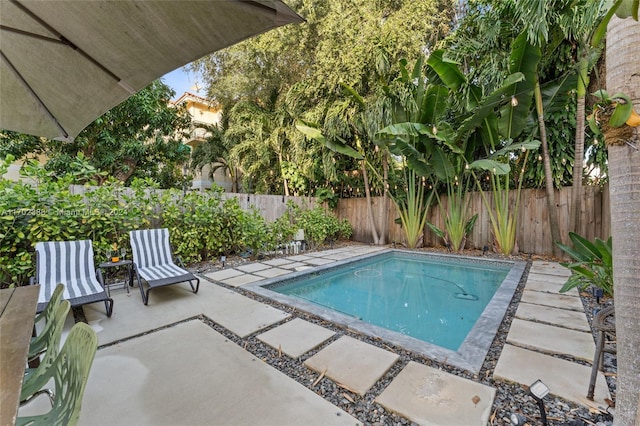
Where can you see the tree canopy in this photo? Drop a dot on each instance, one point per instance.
(299, 71)
(141, 137)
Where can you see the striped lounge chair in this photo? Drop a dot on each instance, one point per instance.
(153, 262)
(69, 263)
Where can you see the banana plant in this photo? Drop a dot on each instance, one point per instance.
(456, 120)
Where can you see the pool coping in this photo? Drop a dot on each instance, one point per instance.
(473, 350)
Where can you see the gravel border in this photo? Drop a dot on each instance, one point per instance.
(510, 398)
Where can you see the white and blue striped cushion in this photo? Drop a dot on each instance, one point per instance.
(152, 254)
(69, 263)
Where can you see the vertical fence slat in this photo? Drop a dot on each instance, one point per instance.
(533, 237)
(533, 229)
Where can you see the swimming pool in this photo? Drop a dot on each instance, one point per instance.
(445, 307)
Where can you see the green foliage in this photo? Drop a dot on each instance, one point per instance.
(413, 209)
(592, 266)
(141, 137)
(324, 194)
(457, 223)
(319, 226)
(268, 83)
(202, 225)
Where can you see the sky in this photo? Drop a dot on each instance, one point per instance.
(182, 81)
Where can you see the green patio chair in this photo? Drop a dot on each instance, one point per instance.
(39, 343)
(34, 378)
(70, 372)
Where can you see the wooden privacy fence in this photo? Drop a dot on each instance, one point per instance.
(533, 235)
(270, 207)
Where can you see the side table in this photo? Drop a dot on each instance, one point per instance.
(126, 263)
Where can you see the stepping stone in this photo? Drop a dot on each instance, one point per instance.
(276, 262)
(303, 268)
(296, 337)
(564, 378)
(319, 261)
(317, 254)
(551, 279)
(299, 258)
(429, 396)
(293, 265)
(549, 268)
(242, 280)
(244, 316)
(539, 284)
(223, 274)
(340, 256)
(352, 363)
(560, 317)
(165, 378)
(548, 338)
(272, 272)
(553, 300)
(252, 267)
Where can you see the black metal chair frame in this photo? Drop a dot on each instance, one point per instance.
(165, 281)
(83, 300)
(604, 323)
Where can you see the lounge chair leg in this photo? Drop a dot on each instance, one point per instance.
(197, 287)
(108, 304)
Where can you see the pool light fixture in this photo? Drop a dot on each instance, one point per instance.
(538, 391)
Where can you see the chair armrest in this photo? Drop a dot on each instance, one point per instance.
(178, 262)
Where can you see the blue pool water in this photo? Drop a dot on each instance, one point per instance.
(433, 300)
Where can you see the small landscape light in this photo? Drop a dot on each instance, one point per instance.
(539, 390)
(517, 419)
(597, 293)
(223, 259)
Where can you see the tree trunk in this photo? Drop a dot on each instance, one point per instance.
(576, 190)
(367, 193)
(384, 207)
(548, 177)
(623, 75)
(575, 211)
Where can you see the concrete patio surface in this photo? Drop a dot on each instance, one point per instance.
(549, 324)
(429, 396)
(296, 337)
(552, 339)
(162, 364)
(352, 363)
(564, 378)
(570, 319)
(191, 375)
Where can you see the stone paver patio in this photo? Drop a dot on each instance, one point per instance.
(189, 373)
(352, 363)
(531, 344)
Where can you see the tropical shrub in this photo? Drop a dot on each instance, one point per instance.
(457, 224)
(592, 265)
(319, 226)
(202, 226)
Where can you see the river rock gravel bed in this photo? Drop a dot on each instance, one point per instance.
(510, 398)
